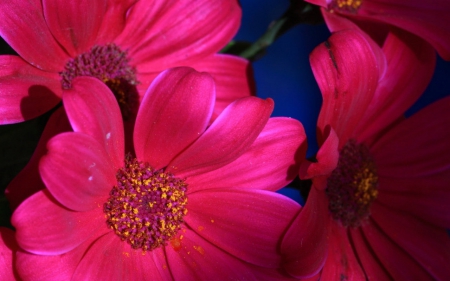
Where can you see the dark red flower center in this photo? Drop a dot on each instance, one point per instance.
(351, 6)
(147, 206)
(111, 65)
(353, 185)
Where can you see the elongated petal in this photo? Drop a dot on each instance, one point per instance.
(399, 264)
(427, 244)
(346, 71)
(122, 262)
(270, 163)
(8, 247)
(231, 134)
(427, 128)
(425, 19)
(113, 21)
(305, 244)
(233, 76)
(22, 22)
(245, 223)
(87, 177)
(93, 110)
(165, 34)
(173, 113)
(190, 255)
(45, 227)
(74, 24)
(25, 91)
(29, 181)
(52, 267)
(410, 66)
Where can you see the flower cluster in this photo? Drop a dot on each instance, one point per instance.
(158, 162)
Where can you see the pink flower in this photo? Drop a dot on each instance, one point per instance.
(8, 246)
(379, 205)
(426, 19)
(195, 203)
(123, 43)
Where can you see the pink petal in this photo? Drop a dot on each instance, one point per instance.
(28, 181)
(425, 19)
(93, 110)
(77, 171)
(25, 91)
(427, 244)
(190, 255)
(346, 71)
(327, 159)
(231, 134)
(113, 21)
(8, 247)
(109, 258)
(398, 263)
(270, 163)
(162, 34)
(74, 24)
(410, 66)
(53, 267)
(370, 263)
(245, 223)
(305, 243)
(22, 22)
(174, 112)
(414, 148)
(233, 76)
(341, 262)
(425, 197)
(44, 227)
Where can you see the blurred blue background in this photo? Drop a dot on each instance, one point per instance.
(284, 73)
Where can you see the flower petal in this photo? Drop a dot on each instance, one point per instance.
(427, 128)
(245, 223)
(93, 110)
(74, 24)
(346, 71)
(410, 66)
(231, 134)
(29, 181)
(77, 171)
(270, 163)
(25, 91)
(233, 76)
(190, 255)
(113, 21)
(427, 244)
(45, 227)
(22, 22)
(8, 247)
(305, 244)
(161, 34)
(122, 262)
(174, 112)
(36, 267)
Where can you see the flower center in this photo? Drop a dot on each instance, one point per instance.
(147, 206)
(351, 6)
(352, 187)
(111, 65)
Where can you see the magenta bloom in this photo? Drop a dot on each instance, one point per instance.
(379, 205)
(8, 247)
(123, 43)
(195, 202)
(426, 19)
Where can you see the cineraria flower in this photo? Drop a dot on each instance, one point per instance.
(426, 19)
(8, 246)
(378, 208)
(195, 202)
(123, 43)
